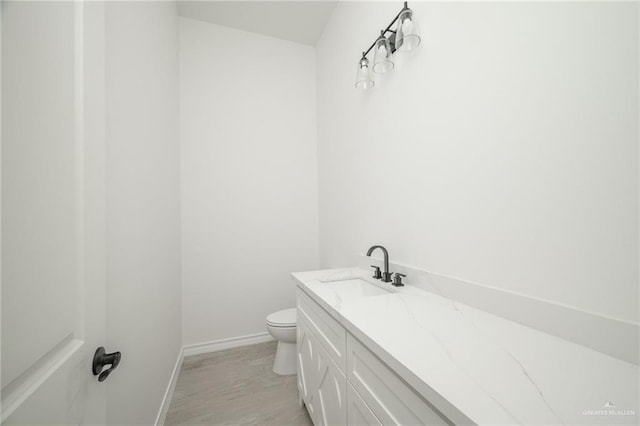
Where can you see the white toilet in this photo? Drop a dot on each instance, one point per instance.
(282, 326)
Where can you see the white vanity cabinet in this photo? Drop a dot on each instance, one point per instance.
(342, 382)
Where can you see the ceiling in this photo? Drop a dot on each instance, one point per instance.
(297, 21)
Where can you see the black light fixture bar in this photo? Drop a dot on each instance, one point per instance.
(388, 30)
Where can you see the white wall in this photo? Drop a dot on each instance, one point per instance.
(504, 151)
(249, 177)
(143, 212)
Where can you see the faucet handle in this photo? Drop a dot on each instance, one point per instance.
(376, 274)
(397, 279)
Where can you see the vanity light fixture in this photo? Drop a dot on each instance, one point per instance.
(404, 38)
(382, 61)
(407, 35)
(363, 79)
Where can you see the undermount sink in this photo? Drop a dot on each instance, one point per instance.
(354, 287)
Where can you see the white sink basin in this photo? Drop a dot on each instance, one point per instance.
(352, 288)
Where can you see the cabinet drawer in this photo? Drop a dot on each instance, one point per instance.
(390, 399)
(358, 412)
(327, 330)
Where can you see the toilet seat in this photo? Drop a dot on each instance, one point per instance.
(284, 318)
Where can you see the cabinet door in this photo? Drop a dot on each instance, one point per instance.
(307, 365)
(321, 384)
(308, 371)
(358, 413)
(331, 398)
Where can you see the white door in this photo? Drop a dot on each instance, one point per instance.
(53, 192)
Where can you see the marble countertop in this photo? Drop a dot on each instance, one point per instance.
(477, 367)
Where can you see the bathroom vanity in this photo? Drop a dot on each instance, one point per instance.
(341, 381)
(370, 354)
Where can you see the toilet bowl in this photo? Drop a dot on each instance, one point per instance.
(282, 326)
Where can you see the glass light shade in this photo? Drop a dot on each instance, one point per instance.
(407, 34)
(363, 78)
(382, 61)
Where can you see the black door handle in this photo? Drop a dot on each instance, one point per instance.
(102, 358)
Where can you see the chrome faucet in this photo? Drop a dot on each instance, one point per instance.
(386, 275)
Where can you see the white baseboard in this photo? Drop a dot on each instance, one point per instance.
(219, 345)
(168, 394)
